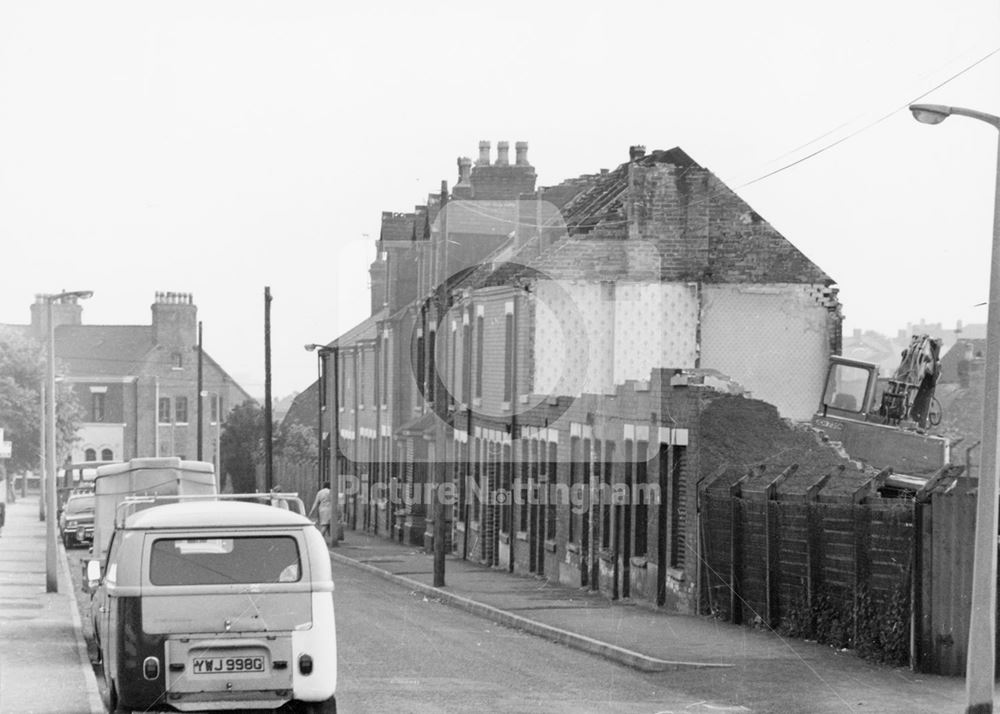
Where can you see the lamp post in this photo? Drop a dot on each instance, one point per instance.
(51, 580)
(981, 652)
(321, 354)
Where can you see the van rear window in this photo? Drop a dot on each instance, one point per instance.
(223, 561)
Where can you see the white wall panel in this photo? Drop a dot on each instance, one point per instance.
(772, 339)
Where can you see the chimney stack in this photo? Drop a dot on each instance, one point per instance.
(484, 154)
(463, 189)
(503, 151)
(175, 320)
(521, 153)
(464, 170)
(636, 152)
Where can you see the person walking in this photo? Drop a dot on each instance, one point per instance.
(324, 505)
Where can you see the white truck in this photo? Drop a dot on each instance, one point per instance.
(163, 476)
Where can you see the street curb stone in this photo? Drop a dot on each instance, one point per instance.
(636, 660)
(90, 679)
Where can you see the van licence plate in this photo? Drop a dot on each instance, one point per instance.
(226, 665)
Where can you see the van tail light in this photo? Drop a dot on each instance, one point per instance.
(306, 664)
(151, 668)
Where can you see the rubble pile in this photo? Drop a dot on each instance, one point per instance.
(739, 435)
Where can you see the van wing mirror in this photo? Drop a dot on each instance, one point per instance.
(92, 575)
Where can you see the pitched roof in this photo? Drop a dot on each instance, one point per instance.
(304, 408)
(99, 350)
(729, 243)
(490, 218)
(367, 329)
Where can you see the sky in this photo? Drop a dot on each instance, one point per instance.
(218, 148)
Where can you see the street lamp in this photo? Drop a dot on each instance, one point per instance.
(322, 352)
(981, 653)
(51, 581)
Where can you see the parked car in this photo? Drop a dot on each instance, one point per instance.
(213, 604)
(76, 521)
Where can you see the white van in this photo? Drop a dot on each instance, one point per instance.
(214, 604)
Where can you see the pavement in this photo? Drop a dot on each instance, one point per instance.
(44, 667)
(642, 637)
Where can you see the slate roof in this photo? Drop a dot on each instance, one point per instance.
(483, 218)
(103, 350)
(367, 329)
(304, 408)
(730, 243)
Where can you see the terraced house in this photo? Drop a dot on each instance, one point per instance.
(553, 348)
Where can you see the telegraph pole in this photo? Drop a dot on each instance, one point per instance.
(42, 448)
(200, 387)
(268, 426)
(440, 402)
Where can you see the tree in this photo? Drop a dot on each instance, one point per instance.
(22, 369)
(241, 443)
(296, 442)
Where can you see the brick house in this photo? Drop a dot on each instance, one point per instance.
(137, 384)
(569, 335)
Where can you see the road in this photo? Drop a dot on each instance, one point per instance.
(399, 651)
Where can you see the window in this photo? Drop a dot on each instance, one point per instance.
(508, 359)
(89, 455)
(846, 387)
(97, 406)
(466, 386)
(164, 410)
(107, 455)
(478, 394)
(431, 366)
(214, 409)
(421, 365)
(220, 561)
(362, 360)
(181, 409)
(385, 371)
(452, 385)
(342, 379)
(177, 360)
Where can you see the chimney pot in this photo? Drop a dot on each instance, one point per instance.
(521, 153)
(636, 152)
(503, 152)
(464, 170)
(484, 154)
